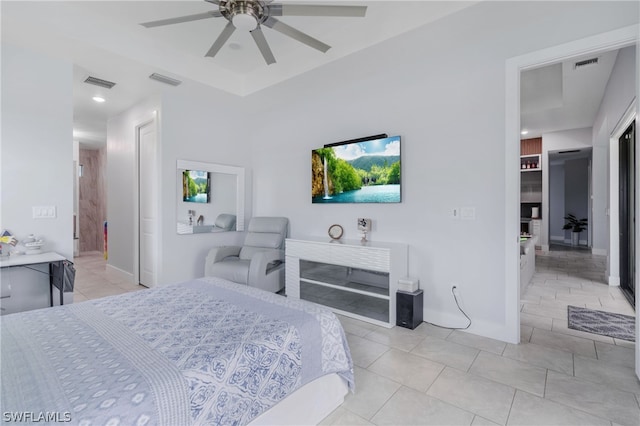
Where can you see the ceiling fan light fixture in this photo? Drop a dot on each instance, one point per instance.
(244, 22)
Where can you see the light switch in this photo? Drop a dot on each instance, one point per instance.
(44, 212)
(468, 213)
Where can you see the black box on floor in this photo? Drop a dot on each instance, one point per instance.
(409, 309)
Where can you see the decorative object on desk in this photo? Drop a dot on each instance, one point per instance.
(335, 232)
(200, 220)
(7, 238)
(577, 226)
(33, 244)
(364, 226)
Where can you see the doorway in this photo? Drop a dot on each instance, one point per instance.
(627, 212)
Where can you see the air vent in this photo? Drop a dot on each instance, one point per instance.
(99, 82)
(573, 151)
(164, 79)
(585, 63)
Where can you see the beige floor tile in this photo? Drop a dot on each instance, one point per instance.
(565, 342)
(541, 356)
(478, 342)
(400, 338)
(614, 354)
(343, 417)
(605, 373)
(525, 333)
(625, 343)
(511, 372)
(481, 421)
(354, 326)
(536, 321)
(364, 352)
(560, 326)
(372, 392)
(410, 407)
(545, 311)
(531, 410)
(445, 352)
(433, 330)
(478, 395)
(408, 369)
(597, 399)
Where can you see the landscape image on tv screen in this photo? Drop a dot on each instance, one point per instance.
(195, 186)
(358, 172)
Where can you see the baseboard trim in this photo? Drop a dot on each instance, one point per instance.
(119, 273)
(614, 281)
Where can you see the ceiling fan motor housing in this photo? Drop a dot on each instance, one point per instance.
(245, 15)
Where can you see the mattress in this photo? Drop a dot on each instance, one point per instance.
(205, 351)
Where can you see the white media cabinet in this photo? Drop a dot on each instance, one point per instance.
(354, 279)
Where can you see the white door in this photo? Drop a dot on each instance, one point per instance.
(147, 204)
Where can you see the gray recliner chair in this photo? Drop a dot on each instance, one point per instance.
(259, 262)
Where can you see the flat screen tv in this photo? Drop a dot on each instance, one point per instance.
(360, 171)
(196, 186)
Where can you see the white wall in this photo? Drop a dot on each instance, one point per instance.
(37, 160)
(198, 124)
(619, 94)
(441, 88)
(121, 185)
(195, 123)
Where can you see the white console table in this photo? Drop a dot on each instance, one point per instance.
(353, 279)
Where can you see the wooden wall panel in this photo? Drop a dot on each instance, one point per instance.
(531, 146)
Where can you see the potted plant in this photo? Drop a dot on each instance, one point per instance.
(577, 226)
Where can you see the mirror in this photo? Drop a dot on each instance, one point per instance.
(209, 197)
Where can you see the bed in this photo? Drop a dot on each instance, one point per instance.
(206, 351)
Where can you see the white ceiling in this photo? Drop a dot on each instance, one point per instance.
(562, 97)
(104, 39)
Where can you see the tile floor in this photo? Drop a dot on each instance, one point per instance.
(436, 376)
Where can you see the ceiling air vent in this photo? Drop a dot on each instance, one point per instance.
(164, 79)
(585, 63)
(573, 151)
(99, 82)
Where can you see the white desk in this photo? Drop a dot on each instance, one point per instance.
(27, 260)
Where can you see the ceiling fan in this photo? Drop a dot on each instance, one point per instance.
(251, 15)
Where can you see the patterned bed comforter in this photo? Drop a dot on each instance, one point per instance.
(202, 352)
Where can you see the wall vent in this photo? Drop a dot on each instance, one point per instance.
(585, 63)
(573, 151)
(99, 82)
(164, 79)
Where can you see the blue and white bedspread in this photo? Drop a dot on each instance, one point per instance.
(202, 352)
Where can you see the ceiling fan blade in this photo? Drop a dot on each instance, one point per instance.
(221, 40)
(181, 19)
(258, 37)
(316, 10)
(287, 30)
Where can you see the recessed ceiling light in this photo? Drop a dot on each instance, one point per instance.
(98, 99)
(524, 132)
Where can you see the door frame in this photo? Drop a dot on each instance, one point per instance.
(611, 40)
(152, 119)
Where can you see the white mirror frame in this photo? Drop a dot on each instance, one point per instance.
(221, 168)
